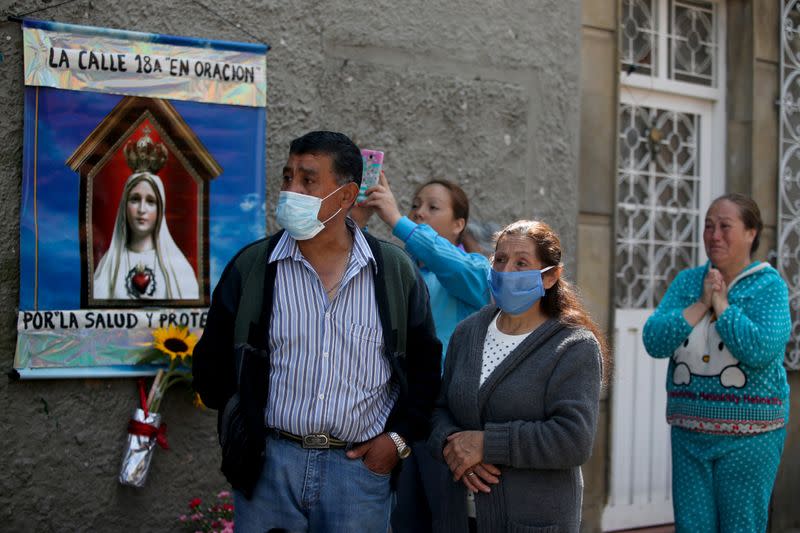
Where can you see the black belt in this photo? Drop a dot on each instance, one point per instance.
(314, 441)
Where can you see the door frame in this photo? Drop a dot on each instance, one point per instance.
(621, 513)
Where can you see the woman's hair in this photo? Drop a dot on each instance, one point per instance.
(749, 213)
(559, 301)
(458, 200)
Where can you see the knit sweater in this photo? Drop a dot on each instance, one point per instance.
(725, 377)
(538, 411)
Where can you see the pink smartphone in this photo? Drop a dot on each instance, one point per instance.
(373, 161)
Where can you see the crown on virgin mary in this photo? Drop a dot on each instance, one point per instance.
(144, 155)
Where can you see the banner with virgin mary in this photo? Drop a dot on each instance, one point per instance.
(143, 174)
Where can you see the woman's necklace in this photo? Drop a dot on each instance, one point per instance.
(330, 293)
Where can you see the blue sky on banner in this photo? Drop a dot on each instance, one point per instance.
(234, 135)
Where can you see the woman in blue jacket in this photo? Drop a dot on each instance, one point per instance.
(724, 326)
(432, 232)
(458, 286)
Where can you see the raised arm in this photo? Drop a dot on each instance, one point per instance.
(464, 275)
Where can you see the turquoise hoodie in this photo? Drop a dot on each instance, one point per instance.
(725, 377)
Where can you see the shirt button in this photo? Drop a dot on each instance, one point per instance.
(324, 354)
(321, 396)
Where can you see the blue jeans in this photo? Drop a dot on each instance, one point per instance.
(313, 490)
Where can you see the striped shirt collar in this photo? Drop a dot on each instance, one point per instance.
(287, 248)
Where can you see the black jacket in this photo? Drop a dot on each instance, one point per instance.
(231, 364)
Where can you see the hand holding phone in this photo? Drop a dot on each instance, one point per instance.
(373, 161)
(382, 202)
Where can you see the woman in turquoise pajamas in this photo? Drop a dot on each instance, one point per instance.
(724, 327)
(458, 286)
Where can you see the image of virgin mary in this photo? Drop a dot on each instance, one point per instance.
(143, 262)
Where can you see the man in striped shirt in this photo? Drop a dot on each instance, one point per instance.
(342, 399)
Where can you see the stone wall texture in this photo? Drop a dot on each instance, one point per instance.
(484, 93)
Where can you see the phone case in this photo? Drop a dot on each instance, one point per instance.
(373, 161)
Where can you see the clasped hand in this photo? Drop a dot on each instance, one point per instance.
(715, 291)
(464, 456)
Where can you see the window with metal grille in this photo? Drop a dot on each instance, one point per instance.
(658, 190)
(671, 40)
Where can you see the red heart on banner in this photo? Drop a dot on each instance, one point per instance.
(140, 281)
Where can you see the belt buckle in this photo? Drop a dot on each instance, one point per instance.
(316, 441)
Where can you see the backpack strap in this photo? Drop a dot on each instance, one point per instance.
(252, 315)
(258, 330)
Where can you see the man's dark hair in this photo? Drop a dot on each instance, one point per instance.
(346, 156)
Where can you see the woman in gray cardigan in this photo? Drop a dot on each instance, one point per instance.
(517, 412)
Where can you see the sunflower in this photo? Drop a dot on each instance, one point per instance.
(174, 341)
(198, 402)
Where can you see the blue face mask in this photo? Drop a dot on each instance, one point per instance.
(516, 292)
(297, 214)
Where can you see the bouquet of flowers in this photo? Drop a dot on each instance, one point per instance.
(172, 347)
(216, 518)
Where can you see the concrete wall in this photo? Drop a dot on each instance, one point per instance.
(597, 178)
(485, 93)
(753, 65)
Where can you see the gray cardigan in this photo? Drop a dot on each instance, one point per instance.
(538, 411)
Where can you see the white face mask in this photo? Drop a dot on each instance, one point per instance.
(297, 214)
